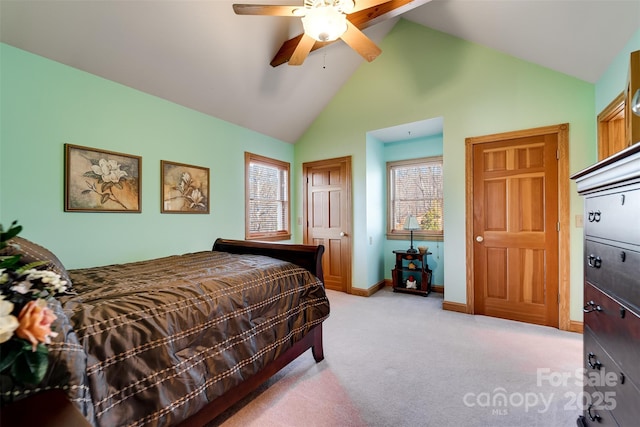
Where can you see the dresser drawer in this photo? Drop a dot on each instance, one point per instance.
(606, 385)
(593, 416)
(619, 335)
(615, 269)
(614, 216)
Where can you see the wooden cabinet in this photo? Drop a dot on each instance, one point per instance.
(612, 289)
(411, 273)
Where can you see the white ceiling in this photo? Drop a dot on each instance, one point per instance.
(199, 54)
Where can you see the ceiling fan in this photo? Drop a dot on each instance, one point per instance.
(325, 21)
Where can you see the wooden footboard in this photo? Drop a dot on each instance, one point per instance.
(307, 256)
(216, 407)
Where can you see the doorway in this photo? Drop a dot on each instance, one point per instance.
(327, 213)
(518, 226)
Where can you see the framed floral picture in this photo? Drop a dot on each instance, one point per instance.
(101, 181)
(185, 188)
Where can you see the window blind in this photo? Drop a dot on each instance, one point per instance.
(416, 189)
(268, 198)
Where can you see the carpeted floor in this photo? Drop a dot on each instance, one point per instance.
(400, 360)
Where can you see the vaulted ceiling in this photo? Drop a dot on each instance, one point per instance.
(199, 54)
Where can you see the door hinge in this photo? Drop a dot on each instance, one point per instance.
(557, 154)
(557, 226)
(558, 298)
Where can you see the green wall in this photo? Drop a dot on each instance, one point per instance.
(423, 73)
(45, 104)
(376, 209)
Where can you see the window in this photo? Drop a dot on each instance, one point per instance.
(266, 198)
(415, 188)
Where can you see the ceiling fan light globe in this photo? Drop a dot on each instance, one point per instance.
(347, 6)
(324, 23)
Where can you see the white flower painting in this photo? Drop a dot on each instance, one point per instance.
(185, 188)
(98, 180)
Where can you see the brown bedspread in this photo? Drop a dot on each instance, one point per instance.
(150, 343)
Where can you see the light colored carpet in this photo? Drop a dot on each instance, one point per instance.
(400, 360)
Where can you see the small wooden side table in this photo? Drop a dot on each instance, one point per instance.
(411, 266)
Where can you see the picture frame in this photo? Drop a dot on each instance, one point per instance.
(98, 180)
(184, 188)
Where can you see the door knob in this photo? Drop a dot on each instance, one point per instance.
(479, 239)
(342, 234)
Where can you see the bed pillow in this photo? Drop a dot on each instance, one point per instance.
(32, 252)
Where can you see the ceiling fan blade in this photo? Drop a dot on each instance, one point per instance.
(387, 10)
(266, 9)
(360, 43)
(288, 47)
(362, 19)
(366, 4)
(302, 50)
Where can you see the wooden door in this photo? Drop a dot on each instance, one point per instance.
(327, 216)
(515, 229)
(611, 128)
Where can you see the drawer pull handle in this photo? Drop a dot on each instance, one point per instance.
(591, 307)
(622, 199)
(594, 261)
(623, 256)
(595, 364)
(595, 416)
(623, 312)
(594, 216)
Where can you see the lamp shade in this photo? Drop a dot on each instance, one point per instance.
(411, 223)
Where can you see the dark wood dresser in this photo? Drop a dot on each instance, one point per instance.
(611, 189)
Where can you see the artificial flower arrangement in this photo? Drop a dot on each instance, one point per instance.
(25, 318)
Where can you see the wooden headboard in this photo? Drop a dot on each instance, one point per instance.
(307, 256)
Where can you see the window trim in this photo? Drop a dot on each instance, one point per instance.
(269, 236)
(434, 236)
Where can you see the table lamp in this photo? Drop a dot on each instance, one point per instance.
(411, 223)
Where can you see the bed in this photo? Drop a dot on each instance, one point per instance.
(178, 340)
